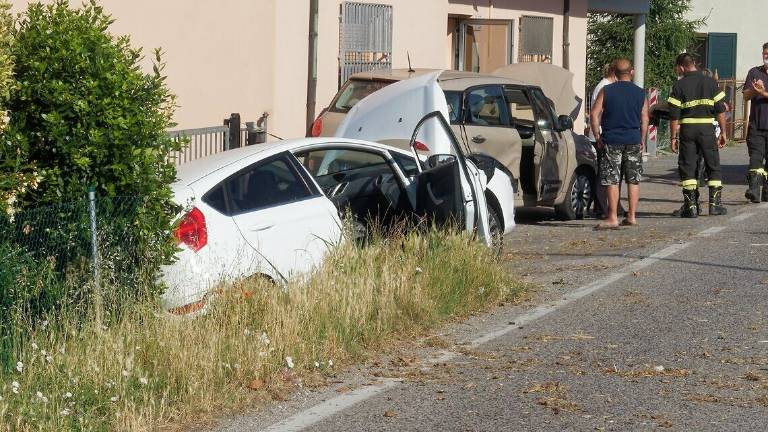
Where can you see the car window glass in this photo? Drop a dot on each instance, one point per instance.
(406, 163)
(328, 162)
(454, 105)
(266, 184)
(331, 167)
(485, 107)
(543, 110)
(353, 92)
(216, 199)
(519, 105)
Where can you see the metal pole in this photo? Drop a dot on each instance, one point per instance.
(312, 65)
(640, 50)
(96, 264)
(566, 36)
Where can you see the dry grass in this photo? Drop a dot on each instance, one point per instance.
(146, 370)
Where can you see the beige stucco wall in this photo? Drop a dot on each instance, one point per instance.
(250, 56)
(747, 20)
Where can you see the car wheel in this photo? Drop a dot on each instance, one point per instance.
(497, 232)
(579, 199)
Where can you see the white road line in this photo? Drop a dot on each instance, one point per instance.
(337, 404)
(330, 407)
(742, 217)
(710, 231)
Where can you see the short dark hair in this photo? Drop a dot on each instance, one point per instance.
(765, 46)
(685, 60)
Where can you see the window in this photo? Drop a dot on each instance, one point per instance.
(543, 110)
(454, 105)
(406, 163)
(266, 184)
(486, 107)
(329, 162)
(481, 45)
(366, 38)
(536, 37)
(353, 92)
(519, 105)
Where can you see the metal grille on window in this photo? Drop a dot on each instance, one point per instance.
(366, 38)
(536, 35)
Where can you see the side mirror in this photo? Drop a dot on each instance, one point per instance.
(564, 122)
(440, 159)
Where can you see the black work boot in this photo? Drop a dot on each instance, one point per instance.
(753, 191)
(699, 209)
(689, 208)
(765, 189)
(715, 204)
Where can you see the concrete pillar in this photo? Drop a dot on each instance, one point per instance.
(640, 50)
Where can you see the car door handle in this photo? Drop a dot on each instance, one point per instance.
(478, 139)
(262, 227)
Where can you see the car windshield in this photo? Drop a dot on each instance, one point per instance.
(353, 92)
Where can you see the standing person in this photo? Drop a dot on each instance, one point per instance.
(694, 103)
(619, 118)
(609, 77)
(757, 134)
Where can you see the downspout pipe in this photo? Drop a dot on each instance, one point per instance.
(312, 65)
(566, 35)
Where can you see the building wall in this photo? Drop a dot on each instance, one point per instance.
(747, 20)
(249, 57)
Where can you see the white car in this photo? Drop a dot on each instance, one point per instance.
(273, 210)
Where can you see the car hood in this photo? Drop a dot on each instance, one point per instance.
(555, 81)
(392, 113)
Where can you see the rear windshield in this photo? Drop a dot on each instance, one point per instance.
(353, 92)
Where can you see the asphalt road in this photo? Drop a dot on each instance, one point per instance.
(662, 326)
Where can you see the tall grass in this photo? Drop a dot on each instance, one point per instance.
(146, 369)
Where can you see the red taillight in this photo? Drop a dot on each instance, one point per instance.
(192, 231)
(317, 127)
(420, 146)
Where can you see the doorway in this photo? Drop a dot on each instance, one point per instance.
(482, 45)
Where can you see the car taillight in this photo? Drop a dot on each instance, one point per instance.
(192, 230)
(420, 146)
(317, 127)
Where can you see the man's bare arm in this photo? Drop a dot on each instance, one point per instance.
(644, 120)
(594, 115)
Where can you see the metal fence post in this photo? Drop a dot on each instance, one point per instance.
(95, 261)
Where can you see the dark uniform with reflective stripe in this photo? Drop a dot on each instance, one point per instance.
(695, 101)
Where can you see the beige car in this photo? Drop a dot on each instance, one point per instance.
(512, 121)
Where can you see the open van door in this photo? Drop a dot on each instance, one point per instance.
(415, 111)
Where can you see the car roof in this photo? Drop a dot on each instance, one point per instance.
(449, 79)
(196, 170)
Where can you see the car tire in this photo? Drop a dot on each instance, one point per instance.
(579, 199)
(496, 230)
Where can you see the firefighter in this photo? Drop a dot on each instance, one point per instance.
(757, 135)
(694, 103)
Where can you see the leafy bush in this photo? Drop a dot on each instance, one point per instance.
(84, 114)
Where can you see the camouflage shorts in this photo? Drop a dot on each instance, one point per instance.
(621, 161)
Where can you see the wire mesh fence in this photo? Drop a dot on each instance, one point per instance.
(90, 247)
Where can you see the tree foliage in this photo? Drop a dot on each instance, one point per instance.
(83, 113)
(668, 33)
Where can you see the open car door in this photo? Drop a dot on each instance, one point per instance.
(450, 188)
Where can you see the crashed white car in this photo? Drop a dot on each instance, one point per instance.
(273, 210)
